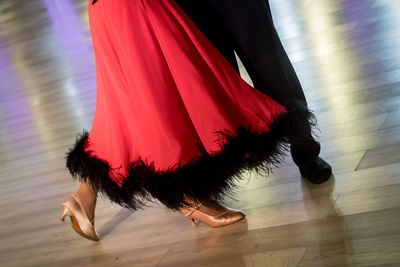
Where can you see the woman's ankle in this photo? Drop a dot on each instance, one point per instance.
(88, 197)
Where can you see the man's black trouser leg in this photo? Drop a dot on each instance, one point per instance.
(212, 25)
(260, 49)
(247, 27)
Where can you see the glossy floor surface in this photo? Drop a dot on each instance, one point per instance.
(347, 55)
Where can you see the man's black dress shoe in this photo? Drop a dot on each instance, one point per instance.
(312, 167)
(317, 171)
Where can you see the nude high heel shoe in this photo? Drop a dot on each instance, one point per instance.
(80, 222)
(225, 217)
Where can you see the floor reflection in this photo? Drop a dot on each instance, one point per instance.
(333, 243)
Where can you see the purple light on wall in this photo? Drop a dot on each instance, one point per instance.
(73, 43)
(13, 100)
(376, 28)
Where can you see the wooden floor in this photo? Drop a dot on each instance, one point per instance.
(347, 55)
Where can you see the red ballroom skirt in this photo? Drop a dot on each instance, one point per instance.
(173, 119)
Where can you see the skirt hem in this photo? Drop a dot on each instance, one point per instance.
(206, 178)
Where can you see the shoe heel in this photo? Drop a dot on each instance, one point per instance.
(193, 222)
(65, 213)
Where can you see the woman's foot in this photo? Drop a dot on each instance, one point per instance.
(80, 222)
(80, 207)
(214, 217)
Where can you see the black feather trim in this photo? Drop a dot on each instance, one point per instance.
(206, 178)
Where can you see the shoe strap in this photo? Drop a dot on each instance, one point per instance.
(192, 210)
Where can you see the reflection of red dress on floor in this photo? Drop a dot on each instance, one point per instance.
(163, 92)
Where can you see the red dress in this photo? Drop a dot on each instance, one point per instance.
(172, 118)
